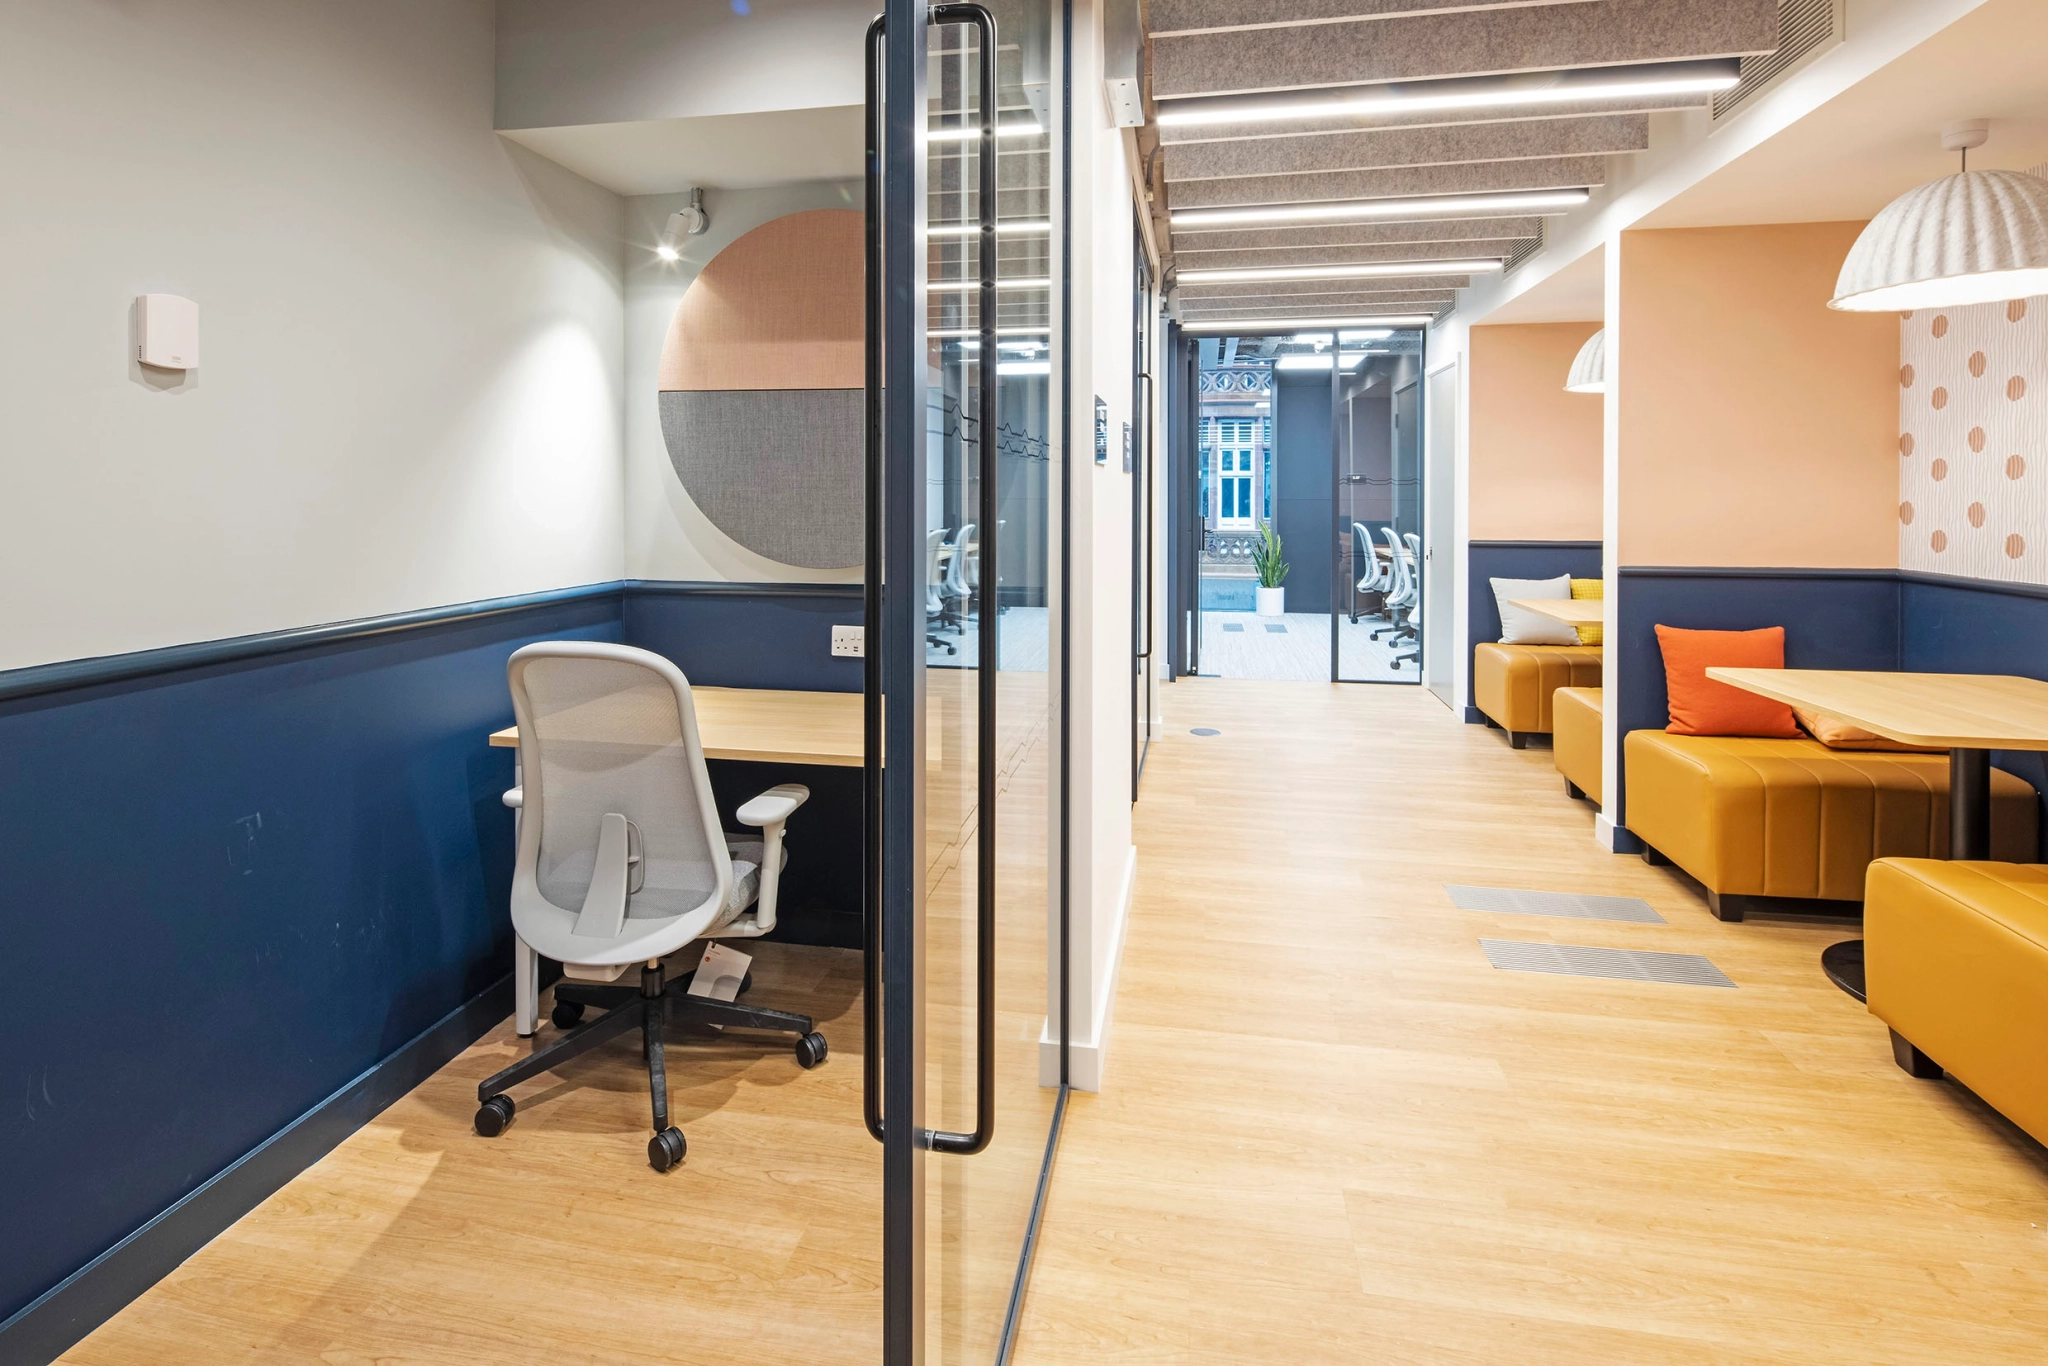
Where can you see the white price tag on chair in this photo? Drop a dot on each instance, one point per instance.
(720, 973)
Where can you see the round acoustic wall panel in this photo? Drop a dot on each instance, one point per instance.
(761, 380)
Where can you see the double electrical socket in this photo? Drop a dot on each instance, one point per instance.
(849, 642)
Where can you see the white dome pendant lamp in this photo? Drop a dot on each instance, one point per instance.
(1973, 238)
(1589, 367)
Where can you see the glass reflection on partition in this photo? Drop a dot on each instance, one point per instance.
(978, 1207)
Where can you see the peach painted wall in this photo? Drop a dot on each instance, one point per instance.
(1756, 426)
(1535, 449)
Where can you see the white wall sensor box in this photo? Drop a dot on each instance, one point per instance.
(167, 332)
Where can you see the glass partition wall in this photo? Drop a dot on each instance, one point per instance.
(968, 616)
(1382, 556)
(1308, 505)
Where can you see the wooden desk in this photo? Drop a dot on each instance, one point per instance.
(1969, 715)
(768, 726)
(1570, 611)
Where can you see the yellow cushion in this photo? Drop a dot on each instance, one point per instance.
(1753, 817)
(1595, 590)
(1513, 683)
(1575, 738)
(1957, 961)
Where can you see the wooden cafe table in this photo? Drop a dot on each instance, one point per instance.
(1570, 611)
(1969, 715)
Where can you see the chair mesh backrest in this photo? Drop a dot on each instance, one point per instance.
(608, 736)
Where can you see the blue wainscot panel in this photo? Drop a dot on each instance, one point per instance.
(1971, 626)
(741, 635)
(1833, 619)
(232, 889)
(1513, 560)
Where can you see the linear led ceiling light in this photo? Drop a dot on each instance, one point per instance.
(1321, 361)
(1249, 326)
(1021, 227)
(957, 286)
(1509, 205)
(955, 333)
(1621, 85)
(1373, 270)
(971, 132)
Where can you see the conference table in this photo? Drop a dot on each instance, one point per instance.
(1969, 715)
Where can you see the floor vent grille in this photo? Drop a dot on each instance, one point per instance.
(1805, 27)
(1514, 901)
(1584, 960)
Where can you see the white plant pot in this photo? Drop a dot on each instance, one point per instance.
(1272, 602)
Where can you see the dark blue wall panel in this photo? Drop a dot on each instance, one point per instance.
(1969, 626)
(1303, 506)
(1833, 619)
(747, 635)
(229, 891)
(1513, 560)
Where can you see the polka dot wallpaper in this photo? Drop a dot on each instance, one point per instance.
(1973, 441)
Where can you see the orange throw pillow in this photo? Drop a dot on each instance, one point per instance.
(1700, 706)
(1836, 733)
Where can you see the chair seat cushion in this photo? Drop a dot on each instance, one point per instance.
(1575, 737)
(1956, 956)
(1513, 683)
(1754, 817)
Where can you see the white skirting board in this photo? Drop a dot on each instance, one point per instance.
(1087, 1055)
(1603, 831)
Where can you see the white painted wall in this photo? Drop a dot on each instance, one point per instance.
(667, 535)
(1103, 858)
(622, 61)
(411, 331)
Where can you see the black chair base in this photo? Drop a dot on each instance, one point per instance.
(650, 1007)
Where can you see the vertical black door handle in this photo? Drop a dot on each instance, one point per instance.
(985, 729)
(871, 604)
(989, 659)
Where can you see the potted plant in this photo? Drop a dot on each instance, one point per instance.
(1272, 572)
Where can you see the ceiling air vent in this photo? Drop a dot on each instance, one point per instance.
(1805, 28)
(1526, 248)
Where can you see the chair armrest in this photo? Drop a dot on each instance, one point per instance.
(774, 806)
(514, 797)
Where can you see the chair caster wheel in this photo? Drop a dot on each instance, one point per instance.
(810, 1050)
(493, 1116)
(567, 1014)
(666, 1149)
(746, 984)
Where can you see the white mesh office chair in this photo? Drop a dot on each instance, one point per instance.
(1403, 596)
(955, 588)
(621, 861)
(1376, 578)
(934, 604)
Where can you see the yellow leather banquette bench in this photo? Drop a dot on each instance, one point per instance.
(1792, 818)
(1512, 684)
(1575, 740)
(1956, 957)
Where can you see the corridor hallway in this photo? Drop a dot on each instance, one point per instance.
(1334, 1133)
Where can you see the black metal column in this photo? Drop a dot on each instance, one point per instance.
(903, 681)
(1969, 803)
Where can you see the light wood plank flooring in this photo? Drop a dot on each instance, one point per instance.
(1333, 1133)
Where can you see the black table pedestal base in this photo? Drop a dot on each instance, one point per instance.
(1843, 963)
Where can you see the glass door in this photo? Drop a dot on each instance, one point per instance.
(1381, 580)
(1138, 464)
(962, 520)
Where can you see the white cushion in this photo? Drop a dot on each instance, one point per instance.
(1520, 626)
